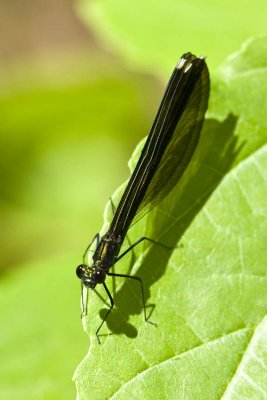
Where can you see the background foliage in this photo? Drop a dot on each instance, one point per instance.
(67, 104)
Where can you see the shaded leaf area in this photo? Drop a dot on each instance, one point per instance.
(208, 296)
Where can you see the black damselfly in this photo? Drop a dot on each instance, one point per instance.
(167, 151)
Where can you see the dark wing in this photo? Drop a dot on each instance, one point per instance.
(170, 144)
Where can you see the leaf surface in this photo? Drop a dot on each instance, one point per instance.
(208, 296)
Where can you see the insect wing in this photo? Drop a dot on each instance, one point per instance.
(181, 146)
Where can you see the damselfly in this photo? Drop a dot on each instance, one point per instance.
(166, 153)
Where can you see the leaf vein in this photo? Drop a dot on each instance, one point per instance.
(142, 373)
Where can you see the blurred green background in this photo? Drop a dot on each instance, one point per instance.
(79, 86)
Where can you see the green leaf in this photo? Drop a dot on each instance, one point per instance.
(208, 296)
(154, 33)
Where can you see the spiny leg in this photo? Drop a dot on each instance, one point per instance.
(96, 237)
(112, 206)
(84, 305)
(136, 277)
(101, 297)
(139, 241)
(142, 291)
(111, 306)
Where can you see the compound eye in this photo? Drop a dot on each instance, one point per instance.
(80, 271)
(100, 276)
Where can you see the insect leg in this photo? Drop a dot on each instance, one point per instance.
(96, 237)
(139, 241)
(111, 306)
(84, 304)
(142, 290)
(112, 206)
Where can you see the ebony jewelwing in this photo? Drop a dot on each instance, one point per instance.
(166, 153)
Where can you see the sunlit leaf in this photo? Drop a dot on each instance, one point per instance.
(209, 295)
